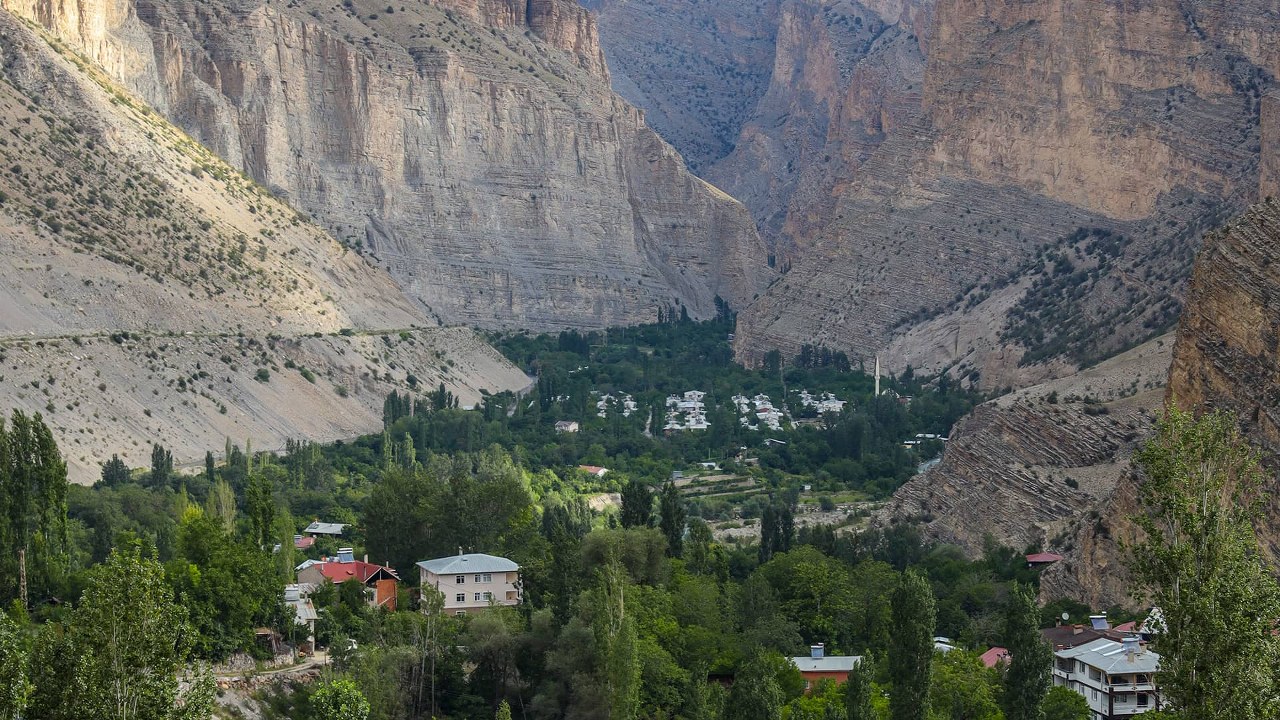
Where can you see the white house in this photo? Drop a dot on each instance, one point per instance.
(1117, 679)
(567, 426)
(472, 582)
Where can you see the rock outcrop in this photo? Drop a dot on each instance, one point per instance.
(919, 160)
(1032, 467)
(149, 292)
(473, 148)
(1227, 357)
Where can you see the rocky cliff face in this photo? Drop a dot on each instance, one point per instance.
(923, 169)
(148, 290)
(473, 148)
(1226, 358)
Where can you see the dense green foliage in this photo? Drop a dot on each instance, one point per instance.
(1028, 676)
(1202, 565)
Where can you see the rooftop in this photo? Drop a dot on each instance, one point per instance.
(993, 656)
(325, 528)
(363, 571)
(1110, 657)
(469, 563)
(831, 663)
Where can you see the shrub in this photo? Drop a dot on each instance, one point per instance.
(263, 375)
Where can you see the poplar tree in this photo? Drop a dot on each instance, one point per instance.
(673, 519)
(161, 466)
(911, 647)
(33, 509)
(857, 692)
(637, 505)
(15, 688)
(1027, 679)
(1200, 564)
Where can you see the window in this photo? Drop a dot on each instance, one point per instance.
(1142, 699)
(460, 597)
(460, 612)
(488, 596)
(477, 577)
(461, 579)
(477, 597)
(488, 577)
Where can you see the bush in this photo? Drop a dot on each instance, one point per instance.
(263, 375)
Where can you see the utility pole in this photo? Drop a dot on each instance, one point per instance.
(877, 393)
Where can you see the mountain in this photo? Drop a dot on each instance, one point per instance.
(473, 149)
(151, 293)
(1225, 358)
(1027, 468)
(1008, 191)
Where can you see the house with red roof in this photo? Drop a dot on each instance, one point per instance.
(995, 656)
(1039, 560)
(381, 581)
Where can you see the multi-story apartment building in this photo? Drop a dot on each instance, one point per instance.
(472, 582)
(1118, 679)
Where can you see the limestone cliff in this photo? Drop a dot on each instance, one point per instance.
(697, 69)
(150, 292)
(923, 172)
(474, 149)
(1227, 357)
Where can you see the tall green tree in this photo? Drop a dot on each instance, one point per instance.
(1200, 564)
(755, 694)
(673, 519)
(1027, 679)
(260, 506)
(15, 688)
(114, 472)
(122, 652)
(615, 631)
(637, 505)
(161, 466)
(857, 692)
(911, 647)
(221, 504)
(33, 509)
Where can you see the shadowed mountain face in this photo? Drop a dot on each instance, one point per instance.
(474, 149)
(920, 167)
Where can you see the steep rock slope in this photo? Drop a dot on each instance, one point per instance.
(697, 69)
(1028, 468)
(928, 172)
(473, 148)
(1227, 357)
(148, 292)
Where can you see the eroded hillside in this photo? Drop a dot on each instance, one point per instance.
(475, 150)
(149, 292)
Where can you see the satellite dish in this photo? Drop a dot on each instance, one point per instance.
(1066, 616)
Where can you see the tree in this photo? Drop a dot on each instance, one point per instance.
(1200, 564)
(857, 692)
(911, 647)
(1062, 703)
(755, 694)
(161, 466)
(1027, 679)
(504, 711)
(673, 519)
(221, 504)
(637, 505)
(15, 690)
(339, 700)
(33, 509)
(260, 506)
(122, 651)
(114, 472)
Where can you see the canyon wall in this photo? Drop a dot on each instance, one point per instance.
(916, 163)
(149, 292)
(475, 150)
